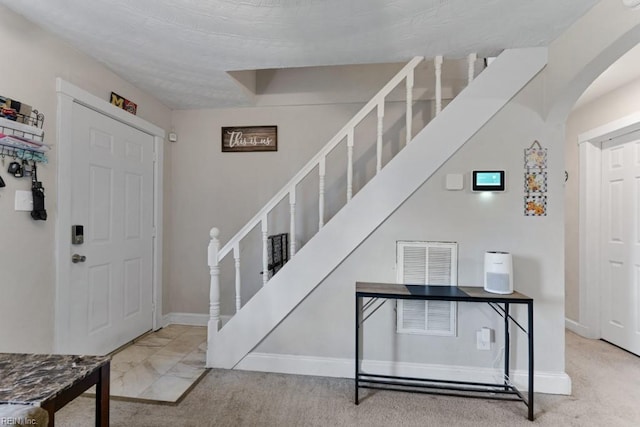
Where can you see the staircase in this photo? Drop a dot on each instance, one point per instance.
(368, 209)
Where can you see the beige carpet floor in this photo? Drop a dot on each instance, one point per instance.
(606, 392)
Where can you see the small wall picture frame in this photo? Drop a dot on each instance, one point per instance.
(535, 157)
(535, 181)
(535, 205)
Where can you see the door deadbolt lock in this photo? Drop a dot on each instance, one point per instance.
(75, 258)
(77, 234)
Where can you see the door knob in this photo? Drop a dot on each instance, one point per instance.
(75, 258)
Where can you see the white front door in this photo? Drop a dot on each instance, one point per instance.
(620, 228)
(110, 292)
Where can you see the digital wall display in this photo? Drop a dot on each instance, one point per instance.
(488, 180)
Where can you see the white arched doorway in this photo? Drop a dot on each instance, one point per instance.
(618, 31)
(593, 293)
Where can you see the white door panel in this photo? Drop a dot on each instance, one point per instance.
(620, 216)
(132, 286)
(112, 196)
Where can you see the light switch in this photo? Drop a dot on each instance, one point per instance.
(480, 344)
(486, 334)
(24, 200)
(454, 181)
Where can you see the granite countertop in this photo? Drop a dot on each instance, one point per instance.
(32, 379)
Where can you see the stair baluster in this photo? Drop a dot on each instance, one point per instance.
(409, 114)
(322, 170)
(292, 222)
(438, 63)
(265, 253)
(379, 139)
(349, 165)
(236, 257)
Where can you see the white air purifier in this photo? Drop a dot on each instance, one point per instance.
(498, 272)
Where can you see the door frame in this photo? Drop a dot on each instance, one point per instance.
(67, 95)
(590, 144)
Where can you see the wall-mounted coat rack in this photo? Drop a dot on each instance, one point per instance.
(21, 137)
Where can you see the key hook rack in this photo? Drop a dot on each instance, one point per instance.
(21, 137)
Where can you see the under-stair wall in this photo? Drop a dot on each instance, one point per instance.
(373, 204)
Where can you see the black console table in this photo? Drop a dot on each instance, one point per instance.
(500, 303)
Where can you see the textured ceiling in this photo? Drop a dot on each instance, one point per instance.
(180, 50)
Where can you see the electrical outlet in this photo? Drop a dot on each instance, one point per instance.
(24, 201)
(481, 343)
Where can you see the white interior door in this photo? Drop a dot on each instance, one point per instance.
(112, 197)
(620, 266)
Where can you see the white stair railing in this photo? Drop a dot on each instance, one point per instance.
(216, 255)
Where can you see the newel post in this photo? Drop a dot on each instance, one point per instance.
(214, 291)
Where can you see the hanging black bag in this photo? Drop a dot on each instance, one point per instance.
(38, 212)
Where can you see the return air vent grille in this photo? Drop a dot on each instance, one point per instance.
(414, 315)
(433, 263)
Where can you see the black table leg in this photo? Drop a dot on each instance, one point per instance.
(357, 358)
(102, 396)
(531, 393)
(50, 407)
(507, 344)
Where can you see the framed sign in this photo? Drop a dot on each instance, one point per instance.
(249, 138)
(125, 104)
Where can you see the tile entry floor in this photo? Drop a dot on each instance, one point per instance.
(160, 366)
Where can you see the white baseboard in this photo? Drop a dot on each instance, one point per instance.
(544, 382)
(189, 319)
(578, 328)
